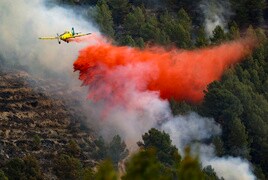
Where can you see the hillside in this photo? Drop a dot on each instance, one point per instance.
(36, 120)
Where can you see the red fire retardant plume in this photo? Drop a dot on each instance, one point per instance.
(113, 72)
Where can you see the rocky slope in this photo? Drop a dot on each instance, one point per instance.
(36, 119)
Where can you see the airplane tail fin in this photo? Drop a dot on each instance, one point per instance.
(73, 31)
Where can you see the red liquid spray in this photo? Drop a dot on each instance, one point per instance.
(112, 71)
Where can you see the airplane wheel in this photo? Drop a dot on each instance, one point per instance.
(67, 41)
(59, 42)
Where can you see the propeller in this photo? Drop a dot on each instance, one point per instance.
(58, 38)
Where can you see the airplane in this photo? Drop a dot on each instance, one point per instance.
(66, 36)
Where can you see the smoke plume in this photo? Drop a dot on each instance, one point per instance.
(191, 130)
(22, 22)
(216, 13)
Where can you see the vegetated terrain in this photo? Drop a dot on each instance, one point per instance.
(238, 102)
(37, 121)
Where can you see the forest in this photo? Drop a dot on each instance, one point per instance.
(238, 102)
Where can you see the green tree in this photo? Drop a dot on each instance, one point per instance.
(2, 175)
(117, 150)
(170, 25)
(14, 169)
(190, 168)
(165, 151)
(140, 42)
(26, 168)
(73, 148)
(241, 12)
(87, 174)
(185, 20)
(67, 167)
(151, 32)
(105, 171)
(259, 173)
(210, 174)
(36, 142)
(145, 165)
(201, 40)
(218, 35)
(185, 29)
(219, 146)
(149, 29)
(134, 21)
(221, 103)
(178, 107)
(234, 32)
(127, 41)
(248, 12)
(120, 9)
(237, 139)
(262, 39)
(104, 18)
(178, 29)
(161, 37)
(101, 151)
(32, 169)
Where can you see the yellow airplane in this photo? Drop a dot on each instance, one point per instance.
(66, 36)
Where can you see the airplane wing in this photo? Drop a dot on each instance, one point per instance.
(79, 35)
(48, 38)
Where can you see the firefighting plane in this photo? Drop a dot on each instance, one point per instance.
(66, 36)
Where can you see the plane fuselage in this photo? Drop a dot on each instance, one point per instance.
(66, 35)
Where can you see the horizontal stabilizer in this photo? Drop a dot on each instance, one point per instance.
(79, 35)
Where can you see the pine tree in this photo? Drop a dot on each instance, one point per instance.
(133, 22)
(190, 168)
(234, 32)
(248, 12)
(140, 42)
(2, 175)
(218, 35)
(120, 9)
(67, 167)
(145, 165)
(106, 171)
(117, 150)
(104, 18)
(237, 139)
(161, 142)
(127, 41)
(201, 40)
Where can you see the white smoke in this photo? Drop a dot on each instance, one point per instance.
(131, 123)
(191, 130)
(216, 13)
(23, 21)
(185, 129)
(231, 168)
